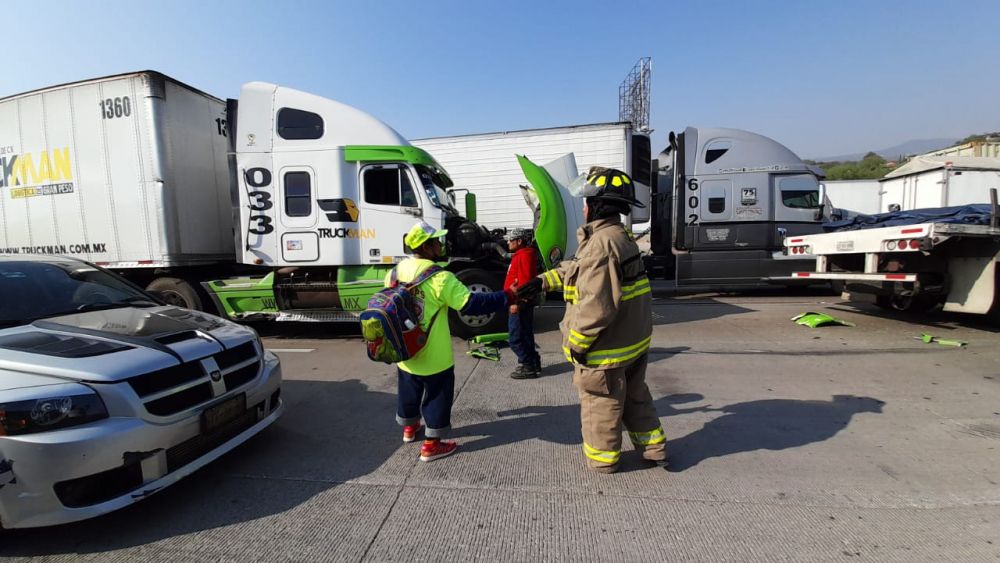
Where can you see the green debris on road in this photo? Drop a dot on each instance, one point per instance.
(812, 320)
(489, 346)
(929, 339)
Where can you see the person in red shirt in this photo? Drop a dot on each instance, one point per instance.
(520, 323)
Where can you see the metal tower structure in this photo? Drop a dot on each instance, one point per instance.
(633, 95)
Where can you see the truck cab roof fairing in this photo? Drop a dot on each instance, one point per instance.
(260, 103)
(748, 151)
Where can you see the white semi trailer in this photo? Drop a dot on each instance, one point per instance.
(486, 165)
(128, 172)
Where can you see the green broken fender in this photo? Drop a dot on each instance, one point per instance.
(813, 320)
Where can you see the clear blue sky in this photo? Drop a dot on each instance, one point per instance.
(824, 78)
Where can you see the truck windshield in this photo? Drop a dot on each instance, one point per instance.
(32, 290)
(436, 193)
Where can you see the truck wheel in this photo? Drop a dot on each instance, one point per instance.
(906, 303)
(465, 326)
(176, 292)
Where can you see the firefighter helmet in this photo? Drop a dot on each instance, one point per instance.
(606, 183)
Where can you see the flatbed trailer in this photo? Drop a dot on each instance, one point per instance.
(910, 267)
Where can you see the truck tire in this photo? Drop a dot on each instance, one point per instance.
(177, 292)
(478, 281)
(909, 304)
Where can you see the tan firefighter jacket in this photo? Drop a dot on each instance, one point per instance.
(608, 298)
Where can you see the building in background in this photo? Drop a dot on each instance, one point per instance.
(989, 148)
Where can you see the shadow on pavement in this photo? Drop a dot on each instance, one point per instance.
(773, 424)
(558, 424)
(776, 424)
(668, 312)
(297, 458)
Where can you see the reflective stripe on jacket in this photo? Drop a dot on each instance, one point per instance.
(608, 298)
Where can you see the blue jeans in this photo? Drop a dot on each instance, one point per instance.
(521, 326)
(427, 395)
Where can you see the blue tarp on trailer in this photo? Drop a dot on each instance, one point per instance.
(978, 214)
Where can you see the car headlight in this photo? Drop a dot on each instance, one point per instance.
(49, 407)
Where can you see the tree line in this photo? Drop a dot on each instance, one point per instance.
(870, 167)
(873, 166)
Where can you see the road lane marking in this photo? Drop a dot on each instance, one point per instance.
(292, 350)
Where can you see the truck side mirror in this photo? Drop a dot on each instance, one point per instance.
(470, 206)
(822, 204)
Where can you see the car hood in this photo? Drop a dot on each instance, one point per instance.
(114, 344)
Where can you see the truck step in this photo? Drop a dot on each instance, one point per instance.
(317, 316)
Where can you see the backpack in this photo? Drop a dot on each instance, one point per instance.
(390, 326)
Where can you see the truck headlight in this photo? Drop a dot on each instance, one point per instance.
(51, 407)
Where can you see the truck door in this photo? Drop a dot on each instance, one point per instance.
(297, 213)
(796, 204)
(389, 208)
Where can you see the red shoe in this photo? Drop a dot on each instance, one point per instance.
(433, 449)
(410, 432)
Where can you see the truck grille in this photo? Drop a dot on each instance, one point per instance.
(178, 388)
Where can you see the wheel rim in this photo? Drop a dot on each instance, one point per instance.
(175, 299)
(477, 321)
(902, 302)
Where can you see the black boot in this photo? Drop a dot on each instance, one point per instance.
(521, 372)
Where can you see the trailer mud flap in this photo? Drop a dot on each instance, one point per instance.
(973, 284)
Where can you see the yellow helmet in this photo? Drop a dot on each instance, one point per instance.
(607, 183)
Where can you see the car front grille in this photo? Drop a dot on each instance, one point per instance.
(178, 388)
(190, 450)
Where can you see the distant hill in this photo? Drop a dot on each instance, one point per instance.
(892, 153)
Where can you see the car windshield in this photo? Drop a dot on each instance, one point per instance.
(437, 194)
(32, 290)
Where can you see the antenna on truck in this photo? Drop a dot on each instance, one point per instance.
(633, 95)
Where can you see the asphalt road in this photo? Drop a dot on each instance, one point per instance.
(786, 444)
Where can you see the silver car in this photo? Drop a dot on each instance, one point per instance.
(107, 396)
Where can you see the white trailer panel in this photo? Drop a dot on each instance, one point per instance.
(487, 166)
(940, 181)
(127, 171)
(858, 196)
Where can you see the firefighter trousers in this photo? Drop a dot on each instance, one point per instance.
(610, 398)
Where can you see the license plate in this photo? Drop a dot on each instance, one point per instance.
(218, 415)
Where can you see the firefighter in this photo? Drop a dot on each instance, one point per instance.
(608, 324)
